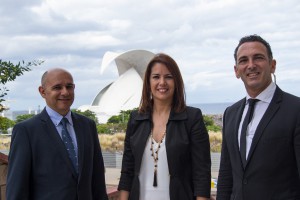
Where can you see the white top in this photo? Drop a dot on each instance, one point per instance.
(146, 176)
(260, 108)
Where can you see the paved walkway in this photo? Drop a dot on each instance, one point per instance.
(112, 176)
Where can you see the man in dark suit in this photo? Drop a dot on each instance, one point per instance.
(50, 159)
(260, 157)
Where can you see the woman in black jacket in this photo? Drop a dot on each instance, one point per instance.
(167, 152)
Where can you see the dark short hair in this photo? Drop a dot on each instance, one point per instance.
(254, 38)
(178, 103)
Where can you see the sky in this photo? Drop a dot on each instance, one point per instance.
(200, 35)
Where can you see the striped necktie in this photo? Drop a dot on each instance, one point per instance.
(68, 142)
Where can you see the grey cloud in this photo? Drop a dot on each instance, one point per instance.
(200, 35)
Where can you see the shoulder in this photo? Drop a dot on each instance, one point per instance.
(290, 98)
(189, 114)
(81, 117)
(193, 113)
(137, 116)
(33, 121)
(235, 106)
(192, 110)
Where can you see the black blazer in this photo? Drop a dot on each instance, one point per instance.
(273, 165)
(39, 167)
(188, 153)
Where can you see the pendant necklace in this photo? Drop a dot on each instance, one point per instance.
(154, 154)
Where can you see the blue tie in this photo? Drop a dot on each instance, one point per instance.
(66, 138)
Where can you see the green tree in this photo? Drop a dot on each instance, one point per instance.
(115, 119)
(123, 117)
(87, 113)
(9, 72)
(5, 124)
(210, 124)
(104, 128)
(20, 118)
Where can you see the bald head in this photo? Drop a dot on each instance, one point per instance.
(57, 88)
(53, 72)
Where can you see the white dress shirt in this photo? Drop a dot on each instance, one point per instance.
(260, 108)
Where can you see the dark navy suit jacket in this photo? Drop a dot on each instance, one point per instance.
(39, 167)
(272, 170)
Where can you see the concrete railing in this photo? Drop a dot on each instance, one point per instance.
(111, 160)
(114, 160)
(3, 174)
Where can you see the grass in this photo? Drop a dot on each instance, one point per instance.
(115, 142)
(4, 142)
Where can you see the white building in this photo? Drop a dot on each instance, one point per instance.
(125, 92)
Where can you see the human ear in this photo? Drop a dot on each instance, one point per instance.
(42, 91)
(273, 66)
(236, 72)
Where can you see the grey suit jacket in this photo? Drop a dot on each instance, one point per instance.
(188, 153)
(273, 165)
(39, 167)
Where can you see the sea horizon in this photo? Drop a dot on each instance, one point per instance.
(212, 108)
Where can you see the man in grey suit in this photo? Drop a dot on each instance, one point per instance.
(260, 156)
(56, 154)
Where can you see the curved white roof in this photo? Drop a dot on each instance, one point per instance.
(137, 59)
(125, 92)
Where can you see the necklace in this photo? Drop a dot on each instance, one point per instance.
(154, 154)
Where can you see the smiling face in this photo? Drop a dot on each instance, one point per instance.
(58, 90)
(162, 83)
(254, 67)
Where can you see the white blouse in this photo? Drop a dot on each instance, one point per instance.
(146, 176)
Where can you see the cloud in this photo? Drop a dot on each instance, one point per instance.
(199, 34)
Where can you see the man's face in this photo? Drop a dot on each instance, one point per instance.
(254, 67)
(58, 91)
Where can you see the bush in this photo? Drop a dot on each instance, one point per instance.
(5, 124)
(215, 139)
(210, 124)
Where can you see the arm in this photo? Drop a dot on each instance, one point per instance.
(225, 181)
(297, 144)
(19, 166)
(127, 171)
(123, 195)
(200, 152)
(202, 198)
(98, 182)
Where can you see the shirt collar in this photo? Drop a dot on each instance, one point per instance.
(266, 95)
(56, 117)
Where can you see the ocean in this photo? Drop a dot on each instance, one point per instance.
(212, 108)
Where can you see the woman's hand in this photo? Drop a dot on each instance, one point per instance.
(123, 195)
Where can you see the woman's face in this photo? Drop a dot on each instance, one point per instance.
(162, 83)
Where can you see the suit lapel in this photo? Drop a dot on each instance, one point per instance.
(55, 140)
(270, 112)
(239, 112)
(142, 122)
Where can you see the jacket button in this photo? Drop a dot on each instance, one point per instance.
(245, 182)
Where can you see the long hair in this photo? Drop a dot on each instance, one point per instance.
(178, 102)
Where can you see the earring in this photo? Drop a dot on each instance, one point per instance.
(274, 77)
